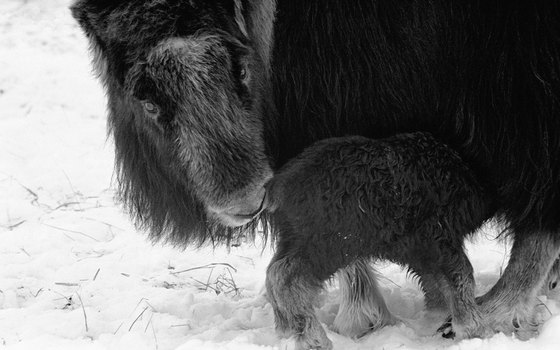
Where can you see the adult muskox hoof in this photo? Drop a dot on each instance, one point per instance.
(449, 332)
(446, 329)
(522, 325)
(474, 326)
(520, 320)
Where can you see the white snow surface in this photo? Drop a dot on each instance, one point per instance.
(75, 274)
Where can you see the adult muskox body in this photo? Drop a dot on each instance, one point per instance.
(198, 127)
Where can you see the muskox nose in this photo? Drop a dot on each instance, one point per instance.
(244, 210)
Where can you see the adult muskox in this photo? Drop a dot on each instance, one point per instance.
(206, 97)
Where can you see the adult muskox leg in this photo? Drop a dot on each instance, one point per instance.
(362, 307)
(292, 289)
(510, 305)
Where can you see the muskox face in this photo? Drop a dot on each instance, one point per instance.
(194, 98)
(186, 94)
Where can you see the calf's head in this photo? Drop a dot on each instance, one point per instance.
(186, 88)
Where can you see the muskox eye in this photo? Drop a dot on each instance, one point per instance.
(150, 108)
(244, 74)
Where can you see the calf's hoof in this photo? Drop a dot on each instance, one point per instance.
(358, 324)
(301, 342)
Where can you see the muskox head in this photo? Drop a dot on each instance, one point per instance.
(186, 84)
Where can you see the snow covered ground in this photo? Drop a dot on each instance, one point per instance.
(74, 273)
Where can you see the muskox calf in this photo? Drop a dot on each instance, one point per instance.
(408, 199)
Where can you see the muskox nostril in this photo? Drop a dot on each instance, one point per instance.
(552, 285)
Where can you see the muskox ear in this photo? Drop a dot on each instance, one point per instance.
(84, 11)
(88, 14)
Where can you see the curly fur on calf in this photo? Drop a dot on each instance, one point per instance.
(408, 198)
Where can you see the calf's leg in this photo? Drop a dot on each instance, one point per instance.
(446, 274)
(292, 288)
(459, 288)
(362, 307)
(432, 285)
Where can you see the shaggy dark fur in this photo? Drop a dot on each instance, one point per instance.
(186, 99)
(408, 198)
(482, 76)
